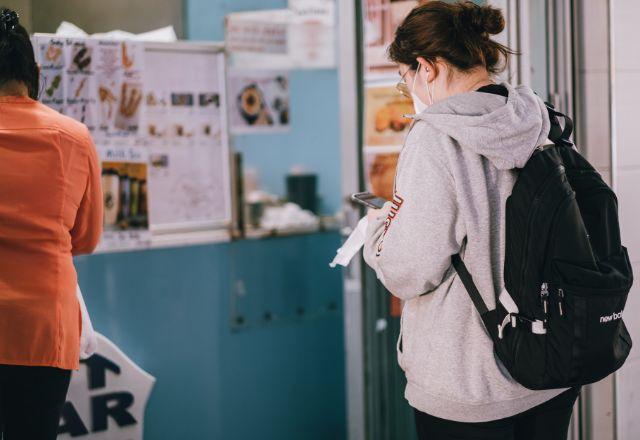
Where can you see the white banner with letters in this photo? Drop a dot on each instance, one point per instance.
(107, 397)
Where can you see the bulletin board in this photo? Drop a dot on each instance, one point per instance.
(157, 115)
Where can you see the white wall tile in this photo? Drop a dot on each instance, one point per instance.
(627, 97)
(628, 401)
(602, 421)
(625, 30)
(593, 119)
(628, 191)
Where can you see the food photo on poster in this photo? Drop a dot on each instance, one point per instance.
(51, 55)
(259, 101)
(381, 172)
(124, 185)
(387, 114)
(80, 77)
(125, 189)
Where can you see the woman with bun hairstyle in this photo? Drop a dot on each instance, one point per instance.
(454, 175)
(50, 210)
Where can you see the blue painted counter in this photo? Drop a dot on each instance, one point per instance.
(275, 373)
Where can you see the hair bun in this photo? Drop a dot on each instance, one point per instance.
(481, 19)
(9, 20)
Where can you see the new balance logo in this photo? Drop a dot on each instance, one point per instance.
(609, 318)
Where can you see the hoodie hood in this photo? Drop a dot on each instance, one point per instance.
(504, 130)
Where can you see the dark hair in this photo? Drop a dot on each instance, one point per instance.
(17, 61)
(457, 33)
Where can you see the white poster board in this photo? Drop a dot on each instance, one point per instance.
(157, 113)
(186, 132)
(300, 37)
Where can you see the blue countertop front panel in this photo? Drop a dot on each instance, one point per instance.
(279, 374)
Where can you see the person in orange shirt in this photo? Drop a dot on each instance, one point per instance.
(50, 210)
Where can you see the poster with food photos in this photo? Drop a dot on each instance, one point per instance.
(387, 116)
(381, 19)
(51, 55)
(79, 81)
(185, 126)
(259, 101)
(119, 76)
(380, 172)
(160, 130)
(125, 177)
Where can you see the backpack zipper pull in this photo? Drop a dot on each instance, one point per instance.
(544, 295)
(560, 301)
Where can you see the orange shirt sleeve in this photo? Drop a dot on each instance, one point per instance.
(87, 228)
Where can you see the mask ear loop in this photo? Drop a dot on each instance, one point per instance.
(415, 78)
(430, 90)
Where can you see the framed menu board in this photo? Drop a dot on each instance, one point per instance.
(157, 114)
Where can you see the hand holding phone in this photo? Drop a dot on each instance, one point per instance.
(369, 200)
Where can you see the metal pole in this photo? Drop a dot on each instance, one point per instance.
(349, 84)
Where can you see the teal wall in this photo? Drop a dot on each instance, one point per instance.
(245, 339)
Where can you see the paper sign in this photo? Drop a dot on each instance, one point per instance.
(256, 36)
(125, 177)
(312, 33)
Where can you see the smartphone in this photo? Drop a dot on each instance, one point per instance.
(369, 200)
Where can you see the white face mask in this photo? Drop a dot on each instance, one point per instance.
(418, 105)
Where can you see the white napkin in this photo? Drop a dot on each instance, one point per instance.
(352, 245)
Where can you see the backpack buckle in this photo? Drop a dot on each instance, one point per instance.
(509, 319)
(537, 327)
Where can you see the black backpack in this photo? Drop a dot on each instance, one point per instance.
(567, 276)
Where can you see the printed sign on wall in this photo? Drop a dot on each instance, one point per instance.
(386, 121)
(124, 186)
(107, 397)
(256, 35)
(259, 101)
(160, 130)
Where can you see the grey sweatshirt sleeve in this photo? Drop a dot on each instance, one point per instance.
(411, 248)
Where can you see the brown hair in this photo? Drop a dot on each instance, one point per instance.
(458, 33)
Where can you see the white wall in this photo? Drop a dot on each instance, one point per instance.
(593, 136)
(626, 174)
(104, 15)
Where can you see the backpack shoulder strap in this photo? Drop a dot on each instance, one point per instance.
(557, 134)
(467, 280)
(489, 317)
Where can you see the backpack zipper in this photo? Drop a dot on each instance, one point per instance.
(544, 297)
(560, 302)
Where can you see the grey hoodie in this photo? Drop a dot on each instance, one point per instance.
(454, 175)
